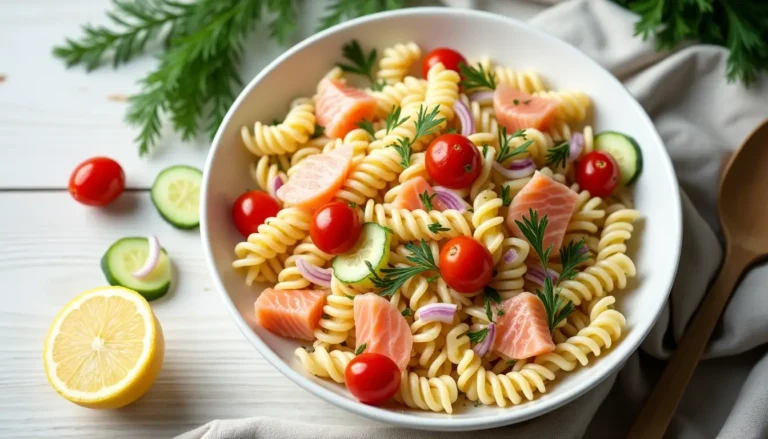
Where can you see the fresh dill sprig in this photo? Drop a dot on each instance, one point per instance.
(511, 362)
(476, 77)
(319, 131)
(558, 155)
(393, 119)
(361, 349)
(340, 10)
(504, 152)
(367, 125)
(436, 227)
(477, 336)
(506, 199)
(426, 123)
(403, 146)
(352, 204)
(557, 307)
(358, 62)
(490, 295)
(426, 199)
(394, 278)
(406, 312)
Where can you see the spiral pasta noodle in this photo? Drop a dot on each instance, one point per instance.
(574, 105)
(511, 268)
(410, 225)
(320, 362)
(339, 314)
(273, 238)
(396, 62)
(392, 95)
(599, 279)
(265, 170)
(524, 80)
(290, 278)
(616, 231)
(283, 138)
(436, 394)
(370, 176)
(443, 92)
(488, 223)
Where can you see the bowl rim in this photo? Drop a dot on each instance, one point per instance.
(410, 420)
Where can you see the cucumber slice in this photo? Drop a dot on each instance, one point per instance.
(176, 195)
(127, 255)
(372, 246)
(625, 151)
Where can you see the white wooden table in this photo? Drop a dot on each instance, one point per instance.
(50, 246)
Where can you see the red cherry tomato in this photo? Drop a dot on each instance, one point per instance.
(97, 181)
(598, 173)
(335, 228)
(453, 161)
(449, 57)
(251, 209)
(465, 264)
(372, 378)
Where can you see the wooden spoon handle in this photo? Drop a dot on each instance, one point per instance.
(661, 405)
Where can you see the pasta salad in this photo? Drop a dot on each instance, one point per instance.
(458, 232)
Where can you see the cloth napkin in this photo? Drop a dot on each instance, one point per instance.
(702, 119)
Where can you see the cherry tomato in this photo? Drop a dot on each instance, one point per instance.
(465, 264)
(453, 161)
(598, 173)
(335, 228)
(97, 181)
(372, 378)
(449, 57)
(251, 209)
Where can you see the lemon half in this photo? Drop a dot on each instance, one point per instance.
(104, 349)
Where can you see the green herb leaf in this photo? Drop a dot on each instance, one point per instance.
(515, 101)
(361, 349)
(485, 150)
(427, 123)
(367, 125)
(478, 336)
(393, 119)
(490, 295)
(470, 210)
(426, 199)
(511, 362)
(406, 312)
(504, 152)
(352, 204)
(436, 227)
(350, 297)
(451, 131)
(571, 255)
(394, 278)
(403, 146)
(476, 77)
(506, 199)
(558, 155)
(358, 62)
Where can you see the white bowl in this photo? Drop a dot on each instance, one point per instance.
(508, 42)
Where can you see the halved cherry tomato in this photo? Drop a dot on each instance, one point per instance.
(251, 209)
(449, 57)
(465, 264)
(453, 161)
(97, 181)
(372, 378)
(598, 173)
(335, 228)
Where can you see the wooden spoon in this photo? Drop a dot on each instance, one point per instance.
(742, 206)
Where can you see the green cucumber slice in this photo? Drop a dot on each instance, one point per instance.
(176, 195)
(625, 151)
(127, 255)
(373, 247)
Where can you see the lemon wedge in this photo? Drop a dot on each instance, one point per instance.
(105, 348)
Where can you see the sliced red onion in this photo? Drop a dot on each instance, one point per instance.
(510, 255)
(536, 275)
(465, 117)
(485, 346)
(576, 145)
(437, 312)
(314, 274)
(482, 96)
(522, 168)
(451, 199)
(275, 184)
(153, 257)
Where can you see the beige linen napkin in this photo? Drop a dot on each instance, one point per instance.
(702, 118)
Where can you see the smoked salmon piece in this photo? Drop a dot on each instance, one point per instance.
(517, 110)
(290, 313)
(339, 107)
(546, 197)
(522, 331)
(382, 328)
(409, 196)
(317, 179)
